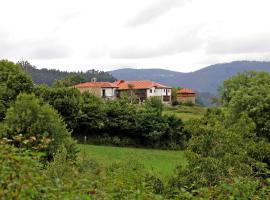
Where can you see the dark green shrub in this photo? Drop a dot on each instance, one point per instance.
(30, 117)
(175, 103)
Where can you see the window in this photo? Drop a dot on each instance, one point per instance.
(164, 90)
(150, 90)
(103, 93)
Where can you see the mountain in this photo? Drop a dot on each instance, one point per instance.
(205, 80)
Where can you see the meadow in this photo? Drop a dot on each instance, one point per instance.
(185, 113)
(160, 162)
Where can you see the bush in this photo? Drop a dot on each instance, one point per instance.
(30, 118)
(21, 176)
(130, 180)
(188, 103)
(13, 80)
(175, 103)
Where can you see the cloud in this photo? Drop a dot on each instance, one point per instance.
(179, 43)
(69, 16)
(259, 43)
(47, 48)
(154, 11)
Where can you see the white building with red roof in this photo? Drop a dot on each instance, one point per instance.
(104, 90)
(145, 89)
(142, 89)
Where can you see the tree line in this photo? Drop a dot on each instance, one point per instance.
(49, 76)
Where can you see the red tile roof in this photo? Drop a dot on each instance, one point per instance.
(96, 85)
(185, 91)
(125, 85)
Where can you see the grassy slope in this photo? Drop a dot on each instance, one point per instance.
(185, 112)
(160, 162)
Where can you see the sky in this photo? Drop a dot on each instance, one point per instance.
(179, 35)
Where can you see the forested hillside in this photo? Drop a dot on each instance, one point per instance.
(207, 79)
(48, 76)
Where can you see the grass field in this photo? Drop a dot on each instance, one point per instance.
(185, 112)
(160, 162)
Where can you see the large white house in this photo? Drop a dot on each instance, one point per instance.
(145, 89)
(142, 89)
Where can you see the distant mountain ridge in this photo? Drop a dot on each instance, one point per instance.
(207, 79)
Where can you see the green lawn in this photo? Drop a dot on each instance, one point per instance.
(185, 112)
(161, 162)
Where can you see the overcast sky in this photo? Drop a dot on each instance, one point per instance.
(181, 35)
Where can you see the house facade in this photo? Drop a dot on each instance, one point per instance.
(141, 89)
(145, 89)
(105, 90)
(186, 95)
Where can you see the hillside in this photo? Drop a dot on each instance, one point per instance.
(48, 76)
(206, 80)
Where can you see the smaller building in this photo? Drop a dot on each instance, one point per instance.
(186, 95)
(104, 90)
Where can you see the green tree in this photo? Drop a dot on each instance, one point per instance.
(13, 80)
(92, 116)
(120, 118)
(31, 117)
(69, 80)
(65, 100)
(217, 153)
(154, 104)
(250, 93)
(231, 143)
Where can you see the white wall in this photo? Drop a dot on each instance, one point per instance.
(158, 92)
(150, 94)
(109, 92)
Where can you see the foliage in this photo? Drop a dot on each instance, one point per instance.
(49, 76)
(249, 93)
(188, 103)
(228, 153)
(35, 120)
(13, 80)
(69, 80)
(20, 176)
(92, 118)
(116, 122)
(174, 93)
(65, 100)
(23, 177)
(129, 181)
(239, 188)
(154, 104)
(215, 153)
